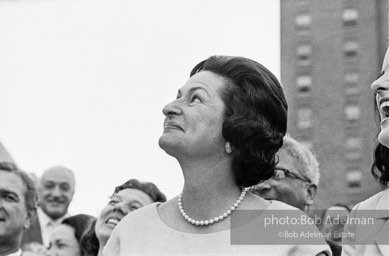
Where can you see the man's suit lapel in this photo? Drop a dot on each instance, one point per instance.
(33, 233)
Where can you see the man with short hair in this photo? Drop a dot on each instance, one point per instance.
(18, 198)
(56, 189)
(295, 180)
(296, 176)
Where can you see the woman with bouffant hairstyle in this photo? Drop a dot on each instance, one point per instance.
(255, 114)
(224, 128)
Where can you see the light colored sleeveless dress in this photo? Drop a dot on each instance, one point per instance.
(142, 232)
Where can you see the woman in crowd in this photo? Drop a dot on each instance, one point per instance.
(67, 238)
(126, 198)
(374, 239)
(224, 128)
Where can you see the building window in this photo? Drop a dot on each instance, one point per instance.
(351, 78)
(352, 113)
(353, 155)
(350, 17)
(351, 48)
(354, 178)
(304, 84)
(353, 144)
(304, 53)
(304, 118)
(303, 20)
(350, 2)
(351, 90)
(353, 148)
(351, 81)
(302, 2)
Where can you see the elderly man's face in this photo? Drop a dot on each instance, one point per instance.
(56, 189)
(289, 190)
(14, 216)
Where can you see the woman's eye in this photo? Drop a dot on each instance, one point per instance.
(132, 208)
(195, 98)
(112, 202)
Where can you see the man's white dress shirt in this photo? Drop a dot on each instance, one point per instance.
(47, 225)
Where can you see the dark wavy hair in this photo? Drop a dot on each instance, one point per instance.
(83, 226)
(147, 187)
(380, 166)
(255, 117)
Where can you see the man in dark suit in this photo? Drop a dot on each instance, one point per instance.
(55, 189)
(18, 198)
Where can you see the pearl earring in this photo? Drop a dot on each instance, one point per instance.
(227, 147)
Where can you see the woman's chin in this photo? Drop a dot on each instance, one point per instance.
(163, 142)
(383, 137)
(168, 145)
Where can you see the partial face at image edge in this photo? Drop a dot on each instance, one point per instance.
(14, 217)
(381, 88)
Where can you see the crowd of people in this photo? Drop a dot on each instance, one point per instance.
(227, 130)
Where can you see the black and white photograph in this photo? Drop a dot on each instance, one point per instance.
(182, 127)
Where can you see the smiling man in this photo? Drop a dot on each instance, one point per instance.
(56, 189)
(18, 199)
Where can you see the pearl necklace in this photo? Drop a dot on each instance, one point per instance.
(216, 219)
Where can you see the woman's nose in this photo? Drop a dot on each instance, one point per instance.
(381, 85)
(173, 108)
(122, 207)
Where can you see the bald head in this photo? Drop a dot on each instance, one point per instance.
(56, 189)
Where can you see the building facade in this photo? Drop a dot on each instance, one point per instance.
(331, 51)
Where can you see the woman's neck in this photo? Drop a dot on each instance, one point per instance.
(209, 188)
(102, 243)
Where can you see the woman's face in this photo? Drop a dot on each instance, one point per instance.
(63, 242)
(193, 123)
(381, 89)
(119, 205)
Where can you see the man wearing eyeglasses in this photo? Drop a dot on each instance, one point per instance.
(295, 180)
(296, 176)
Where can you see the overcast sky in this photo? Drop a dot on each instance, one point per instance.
(83, 82)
